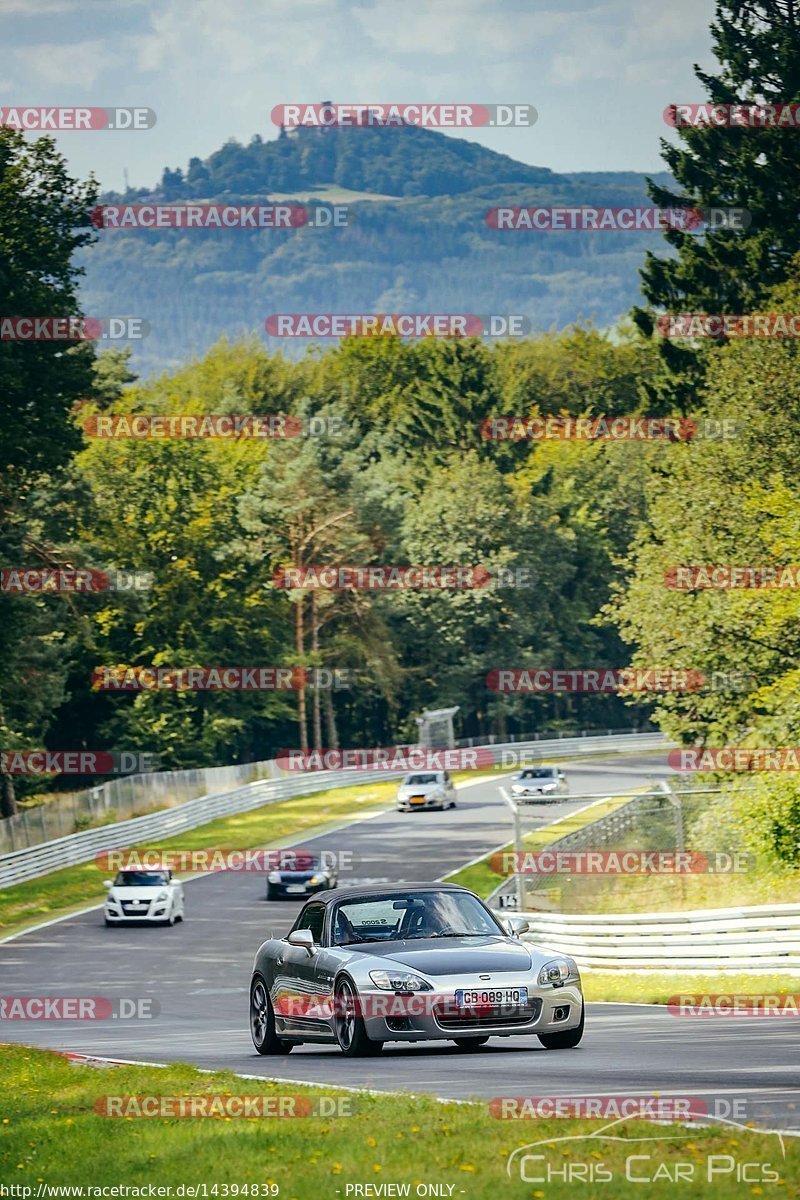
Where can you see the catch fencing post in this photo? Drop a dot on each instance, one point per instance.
(520, 888)
(677, 805)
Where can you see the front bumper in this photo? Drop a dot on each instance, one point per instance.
(432, 1016)
(281, 890)
(152, 913)
(413, 804)
(537, 794)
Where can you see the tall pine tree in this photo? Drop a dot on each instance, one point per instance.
(757, 44)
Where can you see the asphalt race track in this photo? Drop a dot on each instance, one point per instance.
(198, 972)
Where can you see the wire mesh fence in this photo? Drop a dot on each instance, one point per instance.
(122, 798)
(592, 869)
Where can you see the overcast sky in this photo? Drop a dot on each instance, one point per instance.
(599, 74)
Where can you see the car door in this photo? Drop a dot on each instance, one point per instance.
(298, 994)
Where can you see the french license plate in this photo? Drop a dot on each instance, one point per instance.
(491, 996)
(296, 887)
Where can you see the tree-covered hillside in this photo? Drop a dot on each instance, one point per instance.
(422, 245)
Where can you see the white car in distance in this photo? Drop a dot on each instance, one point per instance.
(151, 896)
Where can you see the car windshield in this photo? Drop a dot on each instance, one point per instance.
(412, 917)
(538, 773)
(416, 780)
(141, 879)
(298, 860)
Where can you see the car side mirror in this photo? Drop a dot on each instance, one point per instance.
(107, 883)
(516, 926)
(302, 937)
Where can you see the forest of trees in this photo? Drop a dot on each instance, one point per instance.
(404, 477)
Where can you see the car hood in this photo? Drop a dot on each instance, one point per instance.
(138, 893)
(454, 956)
(421, 789)
(299, 876)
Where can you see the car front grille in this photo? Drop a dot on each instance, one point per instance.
(135, 910)
(450, 1016)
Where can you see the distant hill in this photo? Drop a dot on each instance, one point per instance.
(420, 245)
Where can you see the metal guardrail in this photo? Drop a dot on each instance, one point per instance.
(129, 796)
(122, 798)
(763, 936)
(82, 847)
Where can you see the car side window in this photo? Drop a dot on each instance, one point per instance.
(313, 918)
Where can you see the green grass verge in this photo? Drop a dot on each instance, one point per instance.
(765, 883)
(64, 891)
(481, 877)
(52, 1135)
(644, 987)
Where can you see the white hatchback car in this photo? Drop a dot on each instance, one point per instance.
(151, 896)
(426, 789)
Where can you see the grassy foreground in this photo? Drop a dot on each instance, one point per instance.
(79, 886)
(52, 1135)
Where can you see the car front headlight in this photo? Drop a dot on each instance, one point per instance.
(549, 787)
(556, 971)
(517, 787)
(315, 879)
(399, 981)
(162, 896)
(274, 877)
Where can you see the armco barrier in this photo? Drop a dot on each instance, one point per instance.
(763, 936)
(84, 846)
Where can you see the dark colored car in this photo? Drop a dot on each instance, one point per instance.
(302, 875)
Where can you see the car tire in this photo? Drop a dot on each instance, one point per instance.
(470, 1043)
(349, 1027)
(262, 1021)
(563, 1041)
(271, 893)
(109, 924)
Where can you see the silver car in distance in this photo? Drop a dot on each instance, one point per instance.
(426, 789)
(421, 962)
(538, 783)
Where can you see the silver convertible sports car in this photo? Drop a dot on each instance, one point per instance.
(422, 962)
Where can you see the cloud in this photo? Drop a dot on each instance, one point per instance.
(54, 63)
